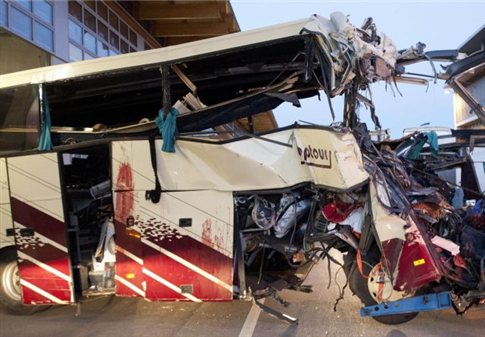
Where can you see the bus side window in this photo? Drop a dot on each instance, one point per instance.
(19, 118)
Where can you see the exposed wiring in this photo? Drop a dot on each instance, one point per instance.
(341, 290)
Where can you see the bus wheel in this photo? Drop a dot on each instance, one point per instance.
(10, 289)
(366, 288)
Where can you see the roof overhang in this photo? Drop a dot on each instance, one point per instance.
(474, 43)
(180, 21)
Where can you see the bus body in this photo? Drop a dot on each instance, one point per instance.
(180, 248)
(91, 205)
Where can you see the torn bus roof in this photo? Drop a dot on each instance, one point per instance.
(317, 53)
(339, 39)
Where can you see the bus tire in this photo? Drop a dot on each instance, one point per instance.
(359, 285)
(10, 290)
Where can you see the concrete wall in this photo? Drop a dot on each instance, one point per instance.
(16, 54)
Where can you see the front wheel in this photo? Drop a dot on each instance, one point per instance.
(10, 289)
(373, 286)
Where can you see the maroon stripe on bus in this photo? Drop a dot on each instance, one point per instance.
(179, 275)
(201, 255)
(41, 222)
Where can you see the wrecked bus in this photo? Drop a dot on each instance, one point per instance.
(142, 175)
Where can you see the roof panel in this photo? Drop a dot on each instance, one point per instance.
(153, 57)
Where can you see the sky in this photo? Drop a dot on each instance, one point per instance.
(439, 24)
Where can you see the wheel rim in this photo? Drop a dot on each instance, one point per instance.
(380, 286)
(11, 281)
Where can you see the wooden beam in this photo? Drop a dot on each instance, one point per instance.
(230, 12)
(231, 21)
(174, 11)
(191, 29)
(264, 121)
(184, 78)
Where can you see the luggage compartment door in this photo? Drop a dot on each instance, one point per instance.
(40, 229)
(187, 242)
(179, 249)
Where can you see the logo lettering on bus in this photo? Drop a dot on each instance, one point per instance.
(315, 156)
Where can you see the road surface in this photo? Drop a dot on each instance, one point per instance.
(119, 317)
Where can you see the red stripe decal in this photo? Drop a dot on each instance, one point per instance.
(179, 275)
(42, 223)
(158, 292)
(126, 267)
(49, 255)
(131, 271)
(197, 253)
(31, 270)
(44, 280)
(32, 297)
(124, 291)
(204, 257)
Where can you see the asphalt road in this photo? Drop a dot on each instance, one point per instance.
(119, 317)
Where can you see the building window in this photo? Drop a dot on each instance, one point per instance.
(27, 4)
(32, 20)
(43, 10)
(102, 31)
(97, 30)
(103, 49)
(43, 36)
(89, 20)
(124, 30)
(89, 42)
(21, 23)
(114, 40)
(102, 11)
(75, 32)
(3, 13)
(124, 47)
(76, 10)
(133, 37)
(91, 4)
(75, 53)
(113, 20)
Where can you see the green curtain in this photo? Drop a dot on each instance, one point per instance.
(167, 127)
